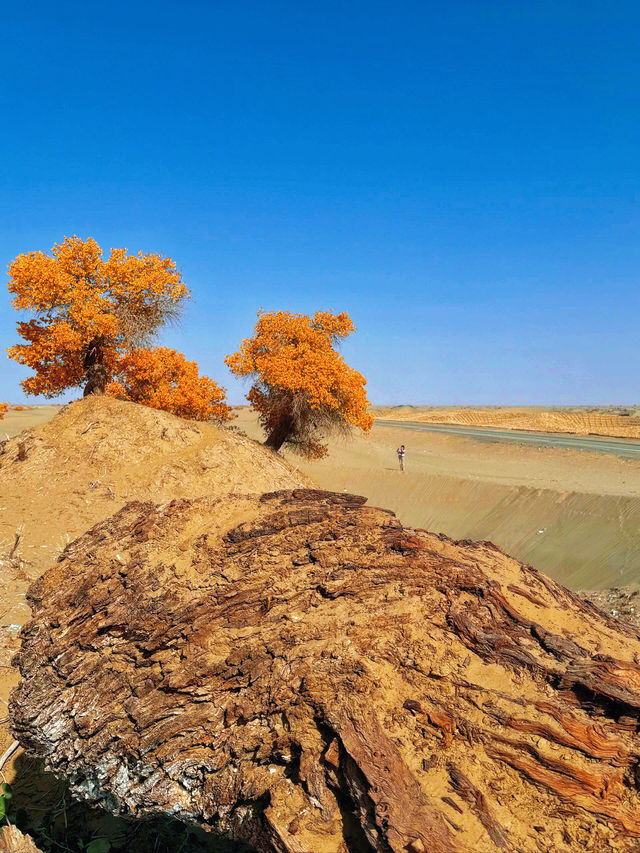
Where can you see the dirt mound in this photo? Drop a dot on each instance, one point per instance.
(60, 478)
(300, 671)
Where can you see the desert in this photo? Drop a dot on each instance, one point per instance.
(619, 421)
(573, 514)
(320, 428)
(113, 456)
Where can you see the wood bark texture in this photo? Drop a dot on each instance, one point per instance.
(299, 671)
(13, 841)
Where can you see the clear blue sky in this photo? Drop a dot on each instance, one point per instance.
(462, 177)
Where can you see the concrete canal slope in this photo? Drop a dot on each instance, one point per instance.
(572, 513)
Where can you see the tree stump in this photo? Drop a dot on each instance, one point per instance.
(301, 672)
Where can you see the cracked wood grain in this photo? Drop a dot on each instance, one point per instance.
(299, 671)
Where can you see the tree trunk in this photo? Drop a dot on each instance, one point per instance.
(94, 367)
(299, 671)
(280, 434)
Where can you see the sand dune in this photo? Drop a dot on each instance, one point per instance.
(577, 421)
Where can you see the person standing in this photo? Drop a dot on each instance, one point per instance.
(400, 452)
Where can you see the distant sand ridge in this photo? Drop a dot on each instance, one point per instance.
(579, 422)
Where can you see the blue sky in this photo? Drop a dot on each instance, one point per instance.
(462, 177)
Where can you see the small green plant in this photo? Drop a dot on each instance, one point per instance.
(98, 845)
(5, 800)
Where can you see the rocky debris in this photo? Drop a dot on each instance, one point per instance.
(621, 602)
(13, 841)
(299, 671)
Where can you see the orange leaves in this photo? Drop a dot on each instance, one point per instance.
(92, 319)
(4, 407)
(162, 378)
(300, 377)
(295, 352)
(76, 297)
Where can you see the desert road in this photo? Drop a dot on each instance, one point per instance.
(596, 444)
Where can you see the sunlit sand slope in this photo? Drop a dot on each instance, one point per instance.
(580, 421)
(572, 514)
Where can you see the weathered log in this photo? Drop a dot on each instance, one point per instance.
(301, 672)
(13, 841)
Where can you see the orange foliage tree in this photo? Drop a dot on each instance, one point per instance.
(87, 311)
(302, 388)
(3, 410)
(162, 378)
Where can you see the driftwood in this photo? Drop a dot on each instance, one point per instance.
(302, 672)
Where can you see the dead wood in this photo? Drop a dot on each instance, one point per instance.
(13, 841)
(301, 672)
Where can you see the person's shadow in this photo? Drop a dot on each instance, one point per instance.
(41, 805)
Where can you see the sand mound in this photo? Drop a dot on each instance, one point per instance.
(60, 478)
(300, 671)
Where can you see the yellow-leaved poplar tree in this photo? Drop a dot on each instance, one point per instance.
(302, 388)
(162, 378)
(87, 311)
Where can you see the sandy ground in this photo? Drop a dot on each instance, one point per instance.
(572, 514)
(18, 419)
(579, 421)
